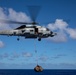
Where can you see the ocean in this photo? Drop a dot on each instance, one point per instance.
(32, 72)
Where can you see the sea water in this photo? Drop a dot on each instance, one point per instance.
(32, 72)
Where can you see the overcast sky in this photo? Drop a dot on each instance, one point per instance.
(58, 52)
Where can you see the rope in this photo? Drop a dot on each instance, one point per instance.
(36, 52)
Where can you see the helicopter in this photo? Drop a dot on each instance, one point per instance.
(28, 30)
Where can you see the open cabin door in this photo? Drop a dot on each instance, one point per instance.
(36, 30)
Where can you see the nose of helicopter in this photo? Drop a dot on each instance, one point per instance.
(52, 34)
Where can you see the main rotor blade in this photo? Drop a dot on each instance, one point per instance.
(34, 11)
(13, 22)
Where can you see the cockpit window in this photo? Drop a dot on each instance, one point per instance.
(47, 29)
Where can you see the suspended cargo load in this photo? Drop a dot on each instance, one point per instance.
(38, 68)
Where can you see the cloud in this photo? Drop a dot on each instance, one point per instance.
(26, 54)
(12, 59)
(10, 14)
(3, 56)
(1, 44)
(71, 32)
(59, 24)
(3, 16)
(15, 55)
(18, 16)
(2, 13)
(62, 28)
(43, 58)
(59, 56)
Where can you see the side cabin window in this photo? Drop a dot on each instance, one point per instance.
(31, 30)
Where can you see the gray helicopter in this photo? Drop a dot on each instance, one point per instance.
(28, 30)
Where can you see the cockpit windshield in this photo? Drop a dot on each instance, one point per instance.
(47, 29)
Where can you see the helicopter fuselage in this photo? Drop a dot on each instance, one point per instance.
(29, 31)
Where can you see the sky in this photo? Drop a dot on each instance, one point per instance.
(57, 52)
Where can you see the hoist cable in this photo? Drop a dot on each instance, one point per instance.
(35, 51)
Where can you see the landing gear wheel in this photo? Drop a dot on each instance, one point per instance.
(18, 39)
(39, 39)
